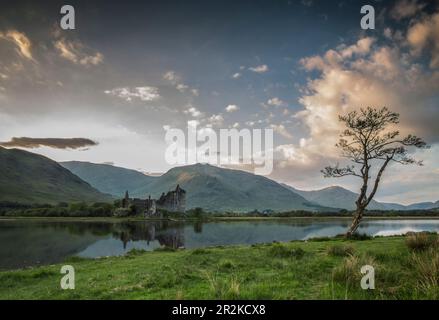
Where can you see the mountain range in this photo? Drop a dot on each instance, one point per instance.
(209, 187)
(214, 188)
(31, 178)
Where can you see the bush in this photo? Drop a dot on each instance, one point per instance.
(200, 251)
(165, 249)
(360, 236)
(340, 250)
(226, 265)
(427, 269)
(122, 212)
(421, 241)
(282, 251)
(228, 289)
(349, 272)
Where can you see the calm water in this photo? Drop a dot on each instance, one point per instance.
(28, 243)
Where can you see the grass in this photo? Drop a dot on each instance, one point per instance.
(297, 270)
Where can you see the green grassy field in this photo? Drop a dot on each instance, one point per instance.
(325, 269)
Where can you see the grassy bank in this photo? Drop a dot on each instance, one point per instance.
(325, 269)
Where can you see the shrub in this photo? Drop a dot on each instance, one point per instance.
(224, 288)
(360, 236)
(122, 212)
(165, 249)
(349, 271)
(421, 241)
(340, 250)
(135, 252)
(282, 251)
(226, 265)
(427, 269)
(200, 251)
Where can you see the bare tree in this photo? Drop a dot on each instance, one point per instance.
(370, 142)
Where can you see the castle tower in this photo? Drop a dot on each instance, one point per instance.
(126, 200)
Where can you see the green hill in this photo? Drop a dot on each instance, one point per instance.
(26, 177)
(111, 179)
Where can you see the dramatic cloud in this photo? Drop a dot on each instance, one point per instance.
(424, 35)
(360, 75)
(280, 129)
(20, 40)
(57, 143)
(259, 69)
(406, 8)
(232, 108)
(75, 52)
(141, 93)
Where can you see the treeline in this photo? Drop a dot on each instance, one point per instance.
(341, 213)
(102, 209)
(62, 209)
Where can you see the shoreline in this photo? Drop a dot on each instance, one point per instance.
(212, 219)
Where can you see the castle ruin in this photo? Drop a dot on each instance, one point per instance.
(173, 201)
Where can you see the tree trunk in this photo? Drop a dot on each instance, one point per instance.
(357, 219)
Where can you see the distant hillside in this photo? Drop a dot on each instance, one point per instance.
(219, 189)
(338, 197)
(31, 178)
(208, 187)
(111, 179)
(335, 197)
(423, 206)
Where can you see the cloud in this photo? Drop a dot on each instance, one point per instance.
(259, 69)
(236, 75)
(20, 40)
(276, 102)
(141, 93)
(171, 76)
(57, 143)
(405, 9)
(175, 80)
(182, 87)
(216, 120)
(425, 35)
(280, 129)
(370, 72)
(75, 52)
(232, 108)
(307, 3)
(194, 112)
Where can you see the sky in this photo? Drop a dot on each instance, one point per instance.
(105, 91)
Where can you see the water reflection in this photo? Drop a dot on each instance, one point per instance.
(27, 242)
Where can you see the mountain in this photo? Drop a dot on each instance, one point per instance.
(111, 179)
(31, 178)
(338, 197)
(423, 206)
(334, 197)
(219, 189)
(209, 187)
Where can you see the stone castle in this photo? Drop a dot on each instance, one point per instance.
(173, 201)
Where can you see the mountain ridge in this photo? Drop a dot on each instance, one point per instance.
(27, 177)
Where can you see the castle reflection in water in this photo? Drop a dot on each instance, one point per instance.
(168, 234)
